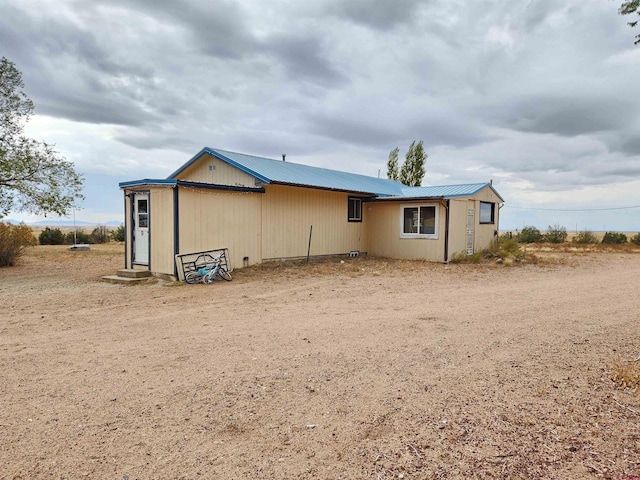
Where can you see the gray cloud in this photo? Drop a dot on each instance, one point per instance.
(566, 115)
(631, 146)
(214, 27)
(378, 14)
(303, 58)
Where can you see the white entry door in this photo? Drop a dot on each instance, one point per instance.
(470, 228)
(141, 229)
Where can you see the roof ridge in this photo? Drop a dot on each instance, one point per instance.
(298, 164)
(245, 154)
(449, 185)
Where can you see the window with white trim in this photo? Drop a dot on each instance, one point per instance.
(487, 212)
(355, 209)
(419, 221)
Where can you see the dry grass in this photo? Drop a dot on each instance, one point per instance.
(62, 254)
(569, 247)
(626, 374)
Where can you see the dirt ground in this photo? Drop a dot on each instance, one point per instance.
(368, 369)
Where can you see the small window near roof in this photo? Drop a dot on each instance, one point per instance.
(487, 212)
(355, 209)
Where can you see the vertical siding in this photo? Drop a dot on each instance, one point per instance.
(161, 230)
(457, 226)
(383, 229)
(288, 213)
(485, 233)
(221, 173)
(211, 219)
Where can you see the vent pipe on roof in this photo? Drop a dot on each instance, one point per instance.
(284, 155)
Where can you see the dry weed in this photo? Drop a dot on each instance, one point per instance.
(626, 374)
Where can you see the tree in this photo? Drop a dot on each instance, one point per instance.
(628, 8)
(392, 165)
(412, 171)
(33, 176)
(13, 241)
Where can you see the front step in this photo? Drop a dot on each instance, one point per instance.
(132, 273)
(128, 276)
(125, 280)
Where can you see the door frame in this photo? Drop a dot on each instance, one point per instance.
(133, 196)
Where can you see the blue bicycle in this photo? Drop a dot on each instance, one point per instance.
(209, 273)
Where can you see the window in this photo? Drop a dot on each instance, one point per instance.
(355, 209)
(487, 212)
(143, 213)
(419, 221)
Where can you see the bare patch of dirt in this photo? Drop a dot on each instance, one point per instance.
(372, 369)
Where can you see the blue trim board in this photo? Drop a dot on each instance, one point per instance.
(222, 157)
(185, 183)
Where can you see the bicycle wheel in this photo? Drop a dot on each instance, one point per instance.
(223, 274)
(193, 277)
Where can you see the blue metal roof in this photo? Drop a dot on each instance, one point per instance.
(277, 171)
(444, 191)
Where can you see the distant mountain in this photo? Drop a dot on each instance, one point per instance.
(64, 223)
(70, 223)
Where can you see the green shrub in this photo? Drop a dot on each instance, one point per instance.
(51, 236)
(118, 234)
(80, 237)
(529, 234)
(505, 249)
(100, 234)
(509, 248)
(555, 234)
(462, 257)
(635, 239)
(614, 238)
(585, 237)
(14, 239)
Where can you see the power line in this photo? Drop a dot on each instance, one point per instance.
(573, 209)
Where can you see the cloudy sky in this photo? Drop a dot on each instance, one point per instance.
(541, 96)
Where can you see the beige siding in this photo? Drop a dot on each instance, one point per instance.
(209, 169)
(288, 214)
(457, 227)
(383, 227)
(211, 219)
(487, 195)
(485, 233)
(161, 230)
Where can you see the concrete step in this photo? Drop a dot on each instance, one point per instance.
(132, 273)
(125, 280)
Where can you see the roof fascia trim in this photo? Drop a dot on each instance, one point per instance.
(222, 157)
(406, 199)
(185, 183)
(237, 165)
(214, 186)
(146, 182)
(188, 163)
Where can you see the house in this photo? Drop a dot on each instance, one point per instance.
(263, 209)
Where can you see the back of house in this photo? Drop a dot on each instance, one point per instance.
(263, 209)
